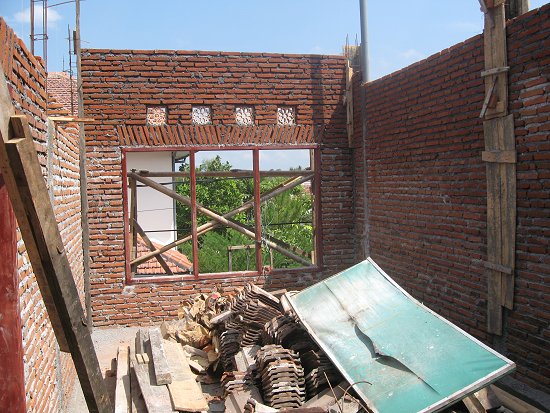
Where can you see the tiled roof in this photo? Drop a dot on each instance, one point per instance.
(59, 88)
(178, 262)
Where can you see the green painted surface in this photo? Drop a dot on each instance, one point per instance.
(375, 332)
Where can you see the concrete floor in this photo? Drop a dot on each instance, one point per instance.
(106, 342)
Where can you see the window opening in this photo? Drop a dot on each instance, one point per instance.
(217, 225)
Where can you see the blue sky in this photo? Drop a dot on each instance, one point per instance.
(399, 34)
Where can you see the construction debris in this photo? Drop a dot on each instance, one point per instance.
(255, 350)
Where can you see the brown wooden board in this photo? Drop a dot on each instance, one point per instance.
(44, 245)
(162, 371)
(501, 218)
(185, 392)
(495, 57)
(157, 398)
(122, 388)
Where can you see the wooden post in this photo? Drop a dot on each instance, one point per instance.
(133, 219)
(12, 378)
(38, 225)
(500, 157)
(84, 207)
(516, 8)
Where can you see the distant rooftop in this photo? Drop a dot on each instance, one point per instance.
(63, 89)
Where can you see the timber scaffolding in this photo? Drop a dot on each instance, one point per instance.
(295, 178)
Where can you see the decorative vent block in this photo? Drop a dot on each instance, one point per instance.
(244, 115)
(156, 116)
(286, 115)
(201, 115)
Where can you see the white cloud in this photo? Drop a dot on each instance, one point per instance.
(24, 16)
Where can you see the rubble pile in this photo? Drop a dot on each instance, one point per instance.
(249, 343)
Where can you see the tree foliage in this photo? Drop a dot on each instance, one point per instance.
(287, 217)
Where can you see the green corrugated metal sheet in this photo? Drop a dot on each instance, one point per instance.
(413, 359)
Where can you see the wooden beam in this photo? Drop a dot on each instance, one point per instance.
(122, 387)
(500, 158)
(496, 58)
(285, 186)
(157, 398)
(236, 173)
(473, 404)
(495, 156)
(151, 247)
(44, 245)
(185, 392)
(348, 102)
(162, 370)
(69, 119)
(516, 8)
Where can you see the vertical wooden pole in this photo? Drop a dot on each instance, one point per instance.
(257, 209)
(195, 241)
(516, 8)
(39, 230)
(133, 220)
(84, 207)
(12, 378)
(500, 158)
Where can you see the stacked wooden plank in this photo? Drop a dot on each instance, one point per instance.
(162, 372)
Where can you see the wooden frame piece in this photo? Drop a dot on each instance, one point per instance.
(500, 157)
(229, 222)
(38, 225)
(285, 186)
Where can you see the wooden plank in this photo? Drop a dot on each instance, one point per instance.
(473, 404)
(501, 176)
(44, 245)
(495, 71)
(133, 220)
(142, 344)
(496, 57)
(157, 398)
(499, 156)
(122, 388)
(137, 402)
(162, 371)
(513, 403)
(185, 392)
(6, 112)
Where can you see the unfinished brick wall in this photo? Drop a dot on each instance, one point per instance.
(427, 188)
(118, 87)
(49, 374)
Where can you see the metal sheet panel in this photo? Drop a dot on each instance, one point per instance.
(401, 356)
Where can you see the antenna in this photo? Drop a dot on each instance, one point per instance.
(40, 36)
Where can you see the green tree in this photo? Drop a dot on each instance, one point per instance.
(286, 217)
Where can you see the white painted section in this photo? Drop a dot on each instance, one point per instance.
(155, 210)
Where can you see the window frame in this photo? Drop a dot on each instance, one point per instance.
(315, 162)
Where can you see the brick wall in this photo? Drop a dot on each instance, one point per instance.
(49, 374)
(118, 85)
(427, 188)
